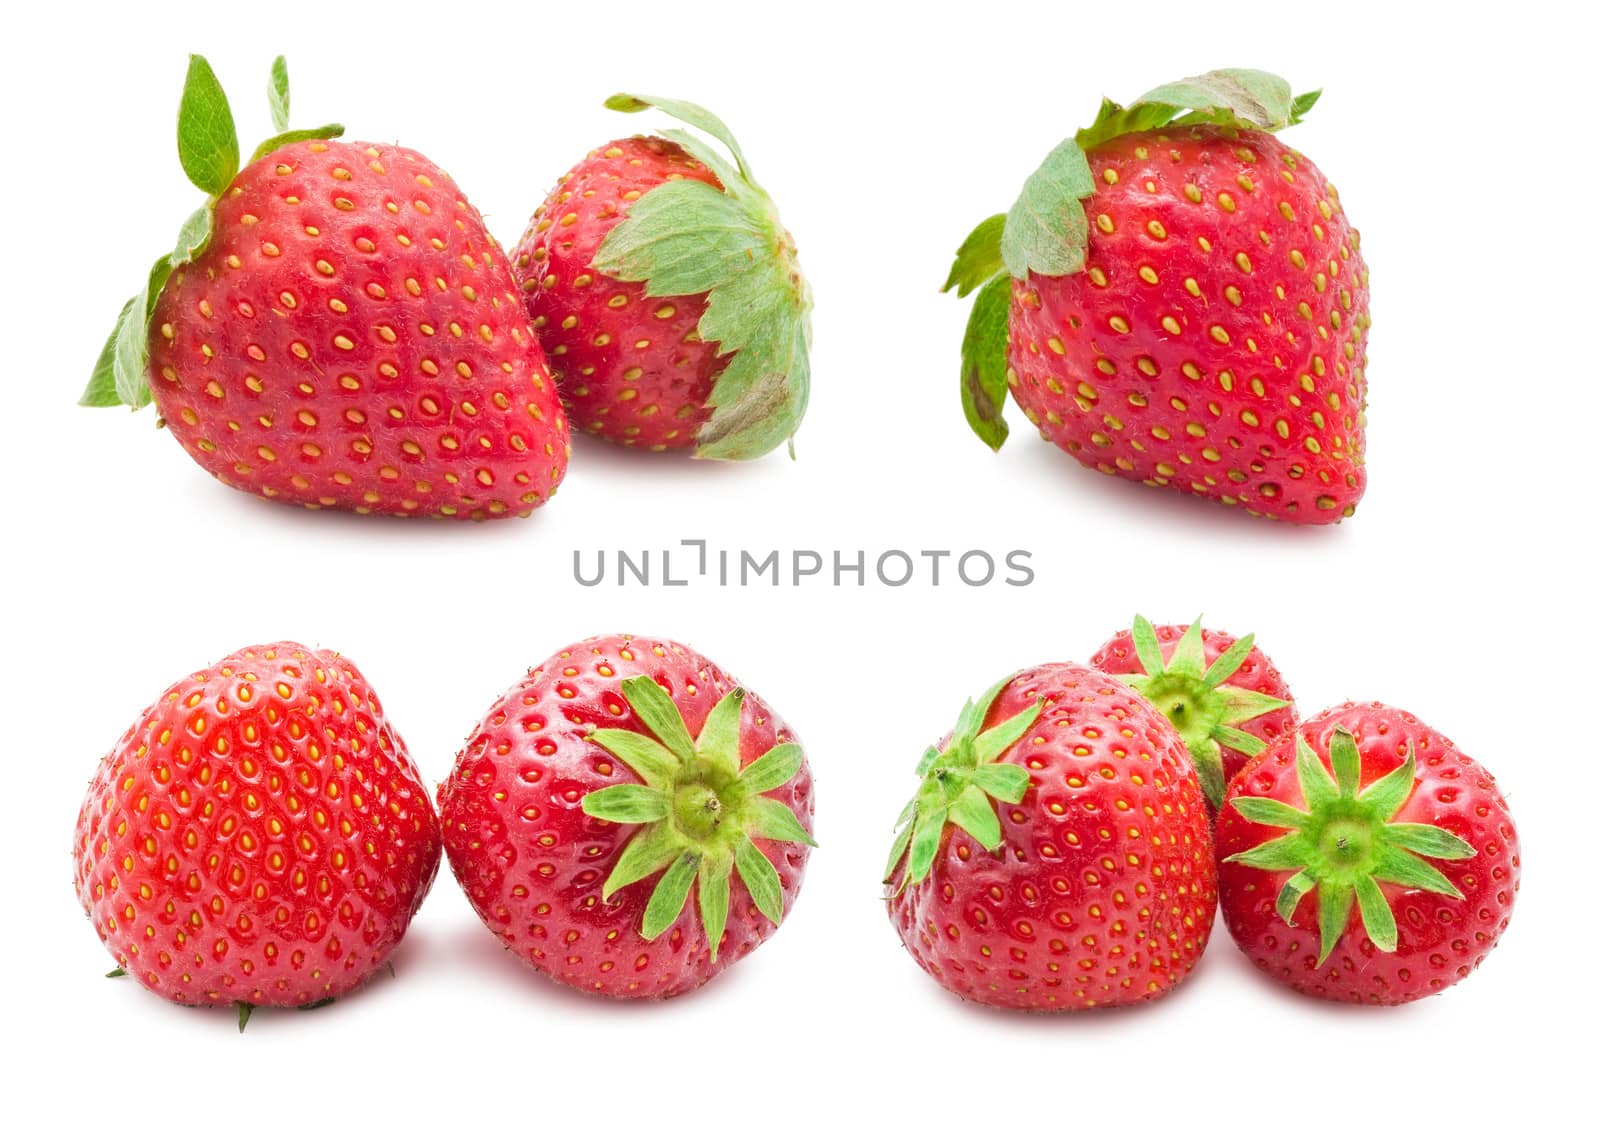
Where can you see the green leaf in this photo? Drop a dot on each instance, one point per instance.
(731, 179)
(1189, 655)
(1046, 230)
(1293, 891)
(648, 851)
(670, 895)
(1316, 784)
(990, 744)
(293, 136)
(278, 93)
(1396, 866)
(1271, 812)
(1290, 851)
(772, 770)
(715, 873)
(1228, 661)
(654, 708)
(1302, 105)
(649, 760)
(902, 842)
(1114, 121)
(192, 237)
(774, 821)
(1376, 915)
(1333, 913)
(973, 812)
(719, 736)
(686, 112)
(1241, 705)
(102, 389)
(1387, 795)
(1346, 762)
(760, 878)
(208, 147)
(117, 972)
(1147, 646)
(1430, 841)
(1250, 97)
(975, 712)
(245, 1010)
(927, 760)
(684, 237)
(131, 355)
(925, 842)
(1007, 782)
(978, 258)
(626, 803)
(1239, 740)
(758, 401)
(983, 362)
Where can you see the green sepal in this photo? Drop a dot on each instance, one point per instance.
(117, 972)
(1047, 231)
(626, 803)
(102, 389)
(700, 814)
(208, 146)
(245, 1010)
(774, 821)
(1344, 844)
(686, 237)
(670, 895)
(1204, 708)
(278, 93)
(978, 258)
(984, 362)
(292, 136)
(760, 879)
(713, 895)
(961, 783)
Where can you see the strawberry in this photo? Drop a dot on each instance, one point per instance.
(1056, 855)
(1223, 695)
(668, 296)
(337, 329)
(1382, 882)
(1177, 298)
(258, 837)
(606, 784)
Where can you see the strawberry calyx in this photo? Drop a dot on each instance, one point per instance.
(1197, 699)
(1344, 841)
(1046, 231)
(687, 237)
(208, 150)
(700, 812)
(960, 786)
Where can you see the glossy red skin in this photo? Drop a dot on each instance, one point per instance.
(1257, 674)
(1193, 430)
(1089, 906)
(1441, 940)
(258, 835)
(632, 368)
(362, 367)
(532, 862)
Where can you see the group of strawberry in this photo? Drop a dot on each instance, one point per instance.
(336, 328)
(261, 837)
(1071, 839)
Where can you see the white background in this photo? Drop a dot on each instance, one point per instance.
(1458, 142)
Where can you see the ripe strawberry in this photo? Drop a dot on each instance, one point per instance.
(1056, 855)
(1301, 847)
(1178, 299)
(258, 837)
(1223, 695)
(337, 329)
(583, 782)
(668, 295)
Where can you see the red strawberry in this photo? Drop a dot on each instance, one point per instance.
(1223, 695)
(338, 330)
(1056, 855)
(582, 811)
(259, 836)
(667, 293)
(1383, 882)
(1178, 299)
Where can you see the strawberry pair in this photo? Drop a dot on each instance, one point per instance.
(260, 835)
(336, 328)
(1060, 852)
